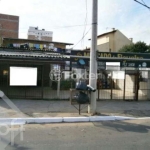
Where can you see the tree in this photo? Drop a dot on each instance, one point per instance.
(148, 50)
(139, 47)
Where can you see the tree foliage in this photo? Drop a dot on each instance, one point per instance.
(139, 47)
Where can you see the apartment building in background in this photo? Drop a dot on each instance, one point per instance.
(35, 34)
(9, 26)
(112, 41)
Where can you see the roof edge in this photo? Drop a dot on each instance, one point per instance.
(29, 40)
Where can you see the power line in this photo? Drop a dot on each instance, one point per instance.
(73, 26)
(142, 4)
(81, 25)
(145, 3)
(85, 21)
(81, 38)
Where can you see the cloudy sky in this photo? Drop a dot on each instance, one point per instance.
(67, 18)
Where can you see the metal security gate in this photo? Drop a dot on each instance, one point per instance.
(20, 92)
(135, 85)
(104, 85)
(131, 85)
(119, 85)
(144, 85)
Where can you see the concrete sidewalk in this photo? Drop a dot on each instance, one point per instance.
(41, 108)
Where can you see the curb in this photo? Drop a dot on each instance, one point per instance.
(102, 118)
(12, 121)
(124, 118)
(76, 119)
(22, 121)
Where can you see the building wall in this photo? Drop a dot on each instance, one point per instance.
(112, 42)
(9, 26)
(43, 38)
(103, 40)
(120, 41)
(103, 47)
(32, 37)
(103, 44)
(35, 34)
(106, 43)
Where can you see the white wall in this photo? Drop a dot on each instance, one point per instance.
(120, 41)
(35, 32)
(114, 41)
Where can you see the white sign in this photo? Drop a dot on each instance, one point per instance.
(23, 76)
(112, 65)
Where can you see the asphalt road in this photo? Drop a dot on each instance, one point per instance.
(124, 135)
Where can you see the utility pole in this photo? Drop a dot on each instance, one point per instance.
(93, 58)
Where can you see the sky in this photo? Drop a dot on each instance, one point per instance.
(67, 18)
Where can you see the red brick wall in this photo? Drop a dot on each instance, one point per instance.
(9, 26)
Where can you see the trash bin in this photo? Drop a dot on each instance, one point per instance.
(82, 97)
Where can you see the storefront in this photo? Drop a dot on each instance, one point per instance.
(128, 81)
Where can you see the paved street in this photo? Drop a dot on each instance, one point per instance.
(125, 135)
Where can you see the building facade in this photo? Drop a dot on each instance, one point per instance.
(35, 34)
(112, 41)
(9, 26)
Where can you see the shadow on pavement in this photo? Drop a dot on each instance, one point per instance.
(123, 126)
(138, 113)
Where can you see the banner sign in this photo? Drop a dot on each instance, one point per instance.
(86, 64)
(102, 63)
(112, 55)
(135, 64)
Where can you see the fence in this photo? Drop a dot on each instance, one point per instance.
(111, 85)
(133, 86)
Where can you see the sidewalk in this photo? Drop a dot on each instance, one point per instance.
(41, 108)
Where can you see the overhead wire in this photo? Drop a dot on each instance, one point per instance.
(61, 27)
(86, 16)
(145, 3)
(81, 38)
(142, 3)
(72, 26)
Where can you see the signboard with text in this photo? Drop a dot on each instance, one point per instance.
(112, 55)
(133, 63)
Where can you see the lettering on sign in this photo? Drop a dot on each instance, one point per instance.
(128, 64)
(110, 55)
